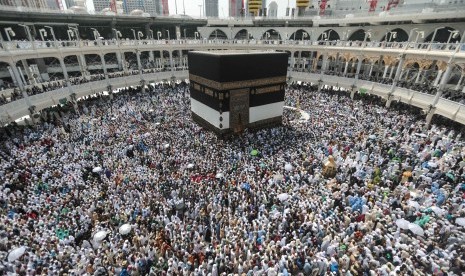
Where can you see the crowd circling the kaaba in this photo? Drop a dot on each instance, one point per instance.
(127, 184)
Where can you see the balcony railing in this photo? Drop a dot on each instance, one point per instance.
(10, 46)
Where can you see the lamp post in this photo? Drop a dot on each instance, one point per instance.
(43, 33)
(76, 31)
(29, 36)
(367, 35)
(304, 35)
(329, 34)
(53, 35)
(434, 34)
(422, 33)
(70, 34)
(392, 35)
(118, 35)
(96, 33)
(453, 34)
(9, 33)
(134, 34)
(267, 35)
(324, 36)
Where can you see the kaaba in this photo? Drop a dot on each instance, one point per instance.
(234, 90)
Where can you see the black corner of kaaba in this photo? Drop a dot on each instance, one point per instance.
(231, 91)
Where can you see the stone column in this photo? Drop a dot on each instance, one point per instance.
(457, 87)
(386, 68)
(28, 72)
(65, 71)
(442, 86)
(292, 61)
(418, 76)
(324, 63)
(371, 69)
(14, 72)
(83, 65)
(396, 79)
(406, 74)
(104, 66)
(171, 62)
(359, 66)
(346, 68)
(392, 71)
(438, 77)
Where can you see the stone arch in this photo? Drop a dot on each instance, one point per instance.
(300, 34)
(53, 68)
(400, 35)
(110, 60)
(72, 62)
(217, 34)
(242, 34)
(358, 35)
(273, 35)
(442, 35)
(329, 34)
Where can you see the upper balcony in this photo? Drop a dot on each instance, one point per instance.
(337, 52)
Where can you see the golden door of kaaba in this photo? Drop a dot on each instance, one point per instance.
(239, 109)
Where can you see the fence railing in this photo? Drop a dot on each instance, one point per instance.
(11, 46)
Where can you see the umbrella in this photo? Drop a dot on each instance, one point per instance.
(157, 124)
(402, 223)
(97, 169)
(416, 229)
(414, 204)
(100, 235)
(278, 177)
(288, 167)
(460, 221)
(166, 146)
(451, 176)
(438, 211)
(372, 137)
(219, 175)
(16, 253)
(190, 166)
(123, 229)
(432, 164)
(283, 196)
(180, 205)
(246, 186)
(254, 152)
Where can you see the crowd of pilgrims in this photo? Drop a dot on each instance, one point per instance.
(424, 86)
(200, 205)
(56, 83)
